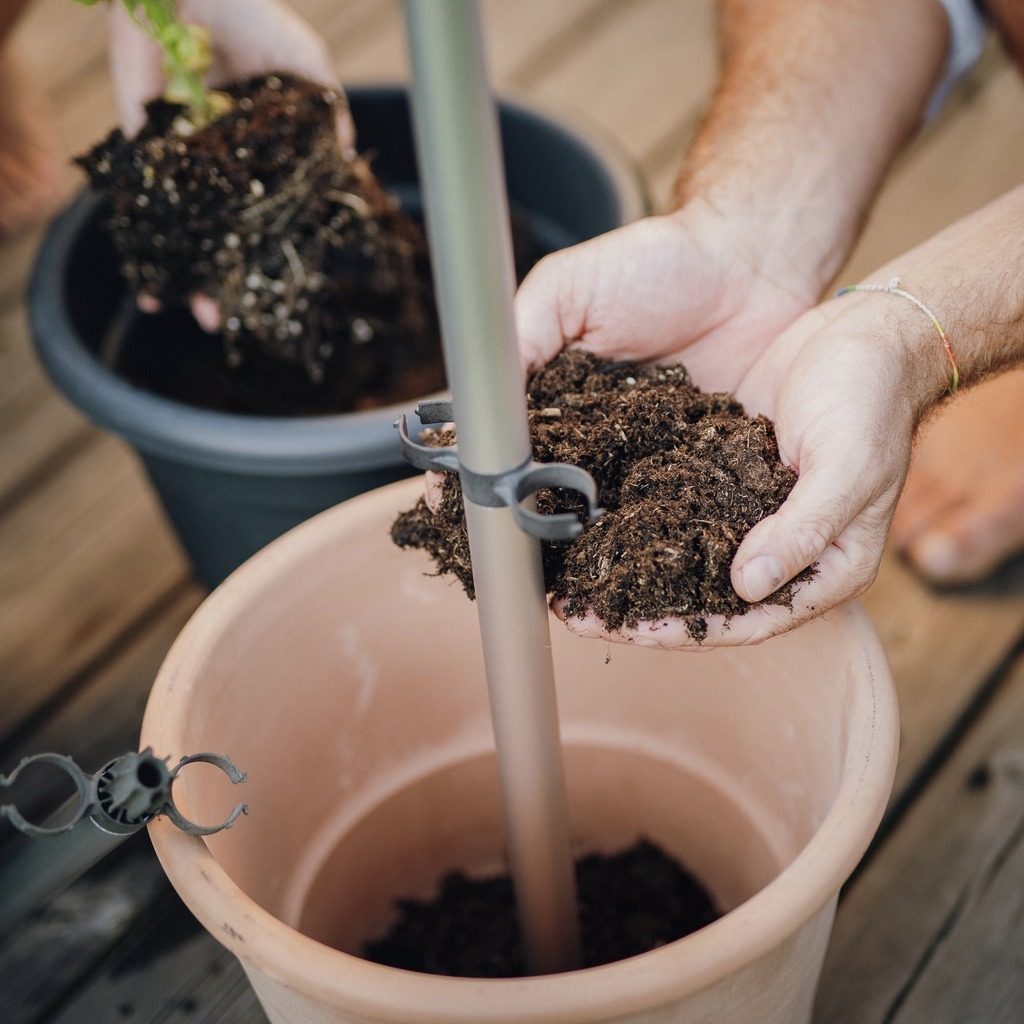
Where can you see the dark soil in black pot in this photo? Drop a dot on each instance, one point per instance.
(683, 474)
(322, 281)
(629, 903)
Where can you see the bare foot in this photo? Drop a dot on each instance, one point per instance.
(30, 167)
(962, 512)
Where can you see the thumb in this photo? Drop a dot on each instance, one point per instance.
(822, 504)
(136, 66)
(545, 320)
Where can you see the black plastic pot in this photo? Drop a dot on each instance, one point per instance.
(231, 483)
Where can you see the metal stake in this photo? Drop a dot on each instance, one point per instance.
(459, 153)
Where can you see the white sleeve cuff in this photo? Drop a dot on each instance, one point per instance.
(967, 32)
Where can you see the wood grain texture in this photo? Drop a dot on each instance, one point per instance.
(81, 558)
(932, 932)
(57, 950)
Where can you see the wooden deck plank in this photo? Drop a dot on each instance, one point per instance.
(80, 560)
(60, 43)
(941, 647)
(973, 157)
(35, 423)
(164, 970)
(648, 66)
(60, 947)
(101, 719)
(932, 930)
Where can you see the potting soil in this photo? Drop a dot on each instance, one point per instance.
(629, 903)
(683, 475)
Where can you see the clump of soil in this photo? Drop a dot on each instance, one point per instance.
(683, 475)
(312, 264)
(629, 903)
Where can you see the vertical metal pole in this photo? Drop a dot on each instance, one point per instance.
(459, 153)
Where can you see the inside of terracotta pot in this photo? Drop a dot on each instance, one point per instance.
(451, 818)
(349, 684)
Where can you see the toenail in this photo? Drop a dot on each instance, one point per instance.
(937, 554)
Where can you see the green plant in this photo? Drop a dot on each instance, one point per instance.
(187, 56)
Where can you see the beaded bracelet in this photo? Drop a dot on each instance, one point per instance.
(892, 287)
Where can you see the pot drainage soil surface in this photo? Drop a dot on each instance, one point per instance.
(683, 474)
(629, 903)
(322, 282)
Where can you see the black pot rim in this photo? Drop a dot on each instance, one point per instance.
(237, 442)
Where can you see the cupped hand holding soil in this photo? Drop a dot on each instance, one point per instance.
(683, 474)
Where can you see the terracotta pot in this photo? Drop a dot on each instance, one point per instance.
(349, 684)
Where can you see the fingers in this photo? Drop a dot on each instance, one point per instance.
(541, 323)
(206, 312)
(250, 37)
(136, 67)
(824, 502)
(433, 483)
(969, 541)
(835, 581)
(255, 36)
(204, 309)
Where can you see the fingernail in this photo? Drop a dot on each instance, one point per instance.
(936, 554)
(762, 576)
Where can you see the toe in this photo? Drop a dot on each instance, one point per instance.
(924, 499)
(969, 542)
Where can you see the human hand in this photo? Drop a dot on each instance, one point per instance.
(692, 285)
(249, 37)
(835, 385)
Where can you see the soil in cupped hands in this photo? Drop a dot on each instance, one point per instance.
(629, 903)
(683, 475)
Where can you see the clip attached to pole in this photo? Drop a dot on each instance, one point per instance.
(510, 489)
(122, 797)
(106, 808)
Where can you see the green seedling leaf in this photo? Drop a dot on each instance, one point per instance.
(188, 53)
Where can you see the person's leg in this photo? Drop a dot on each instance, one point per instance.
(962, 511)
(29, 163)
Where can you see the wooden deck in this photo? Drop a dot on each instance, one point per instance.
(93, 587)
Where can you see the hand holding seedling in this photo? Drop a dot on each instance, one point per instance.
(172, 47)
(183, 42)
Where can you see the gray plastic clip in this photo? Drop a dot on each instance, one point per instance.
(231, 770)
(122, 797)
(511, 489)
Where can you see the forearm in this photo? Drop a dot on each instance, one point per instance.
(971, 276)
(814, 101)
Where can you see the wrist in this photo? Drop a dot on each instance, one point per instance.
(922, 362)
(761, 256)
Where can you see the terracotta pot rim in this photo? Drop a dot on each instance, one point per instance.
(627, 986)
